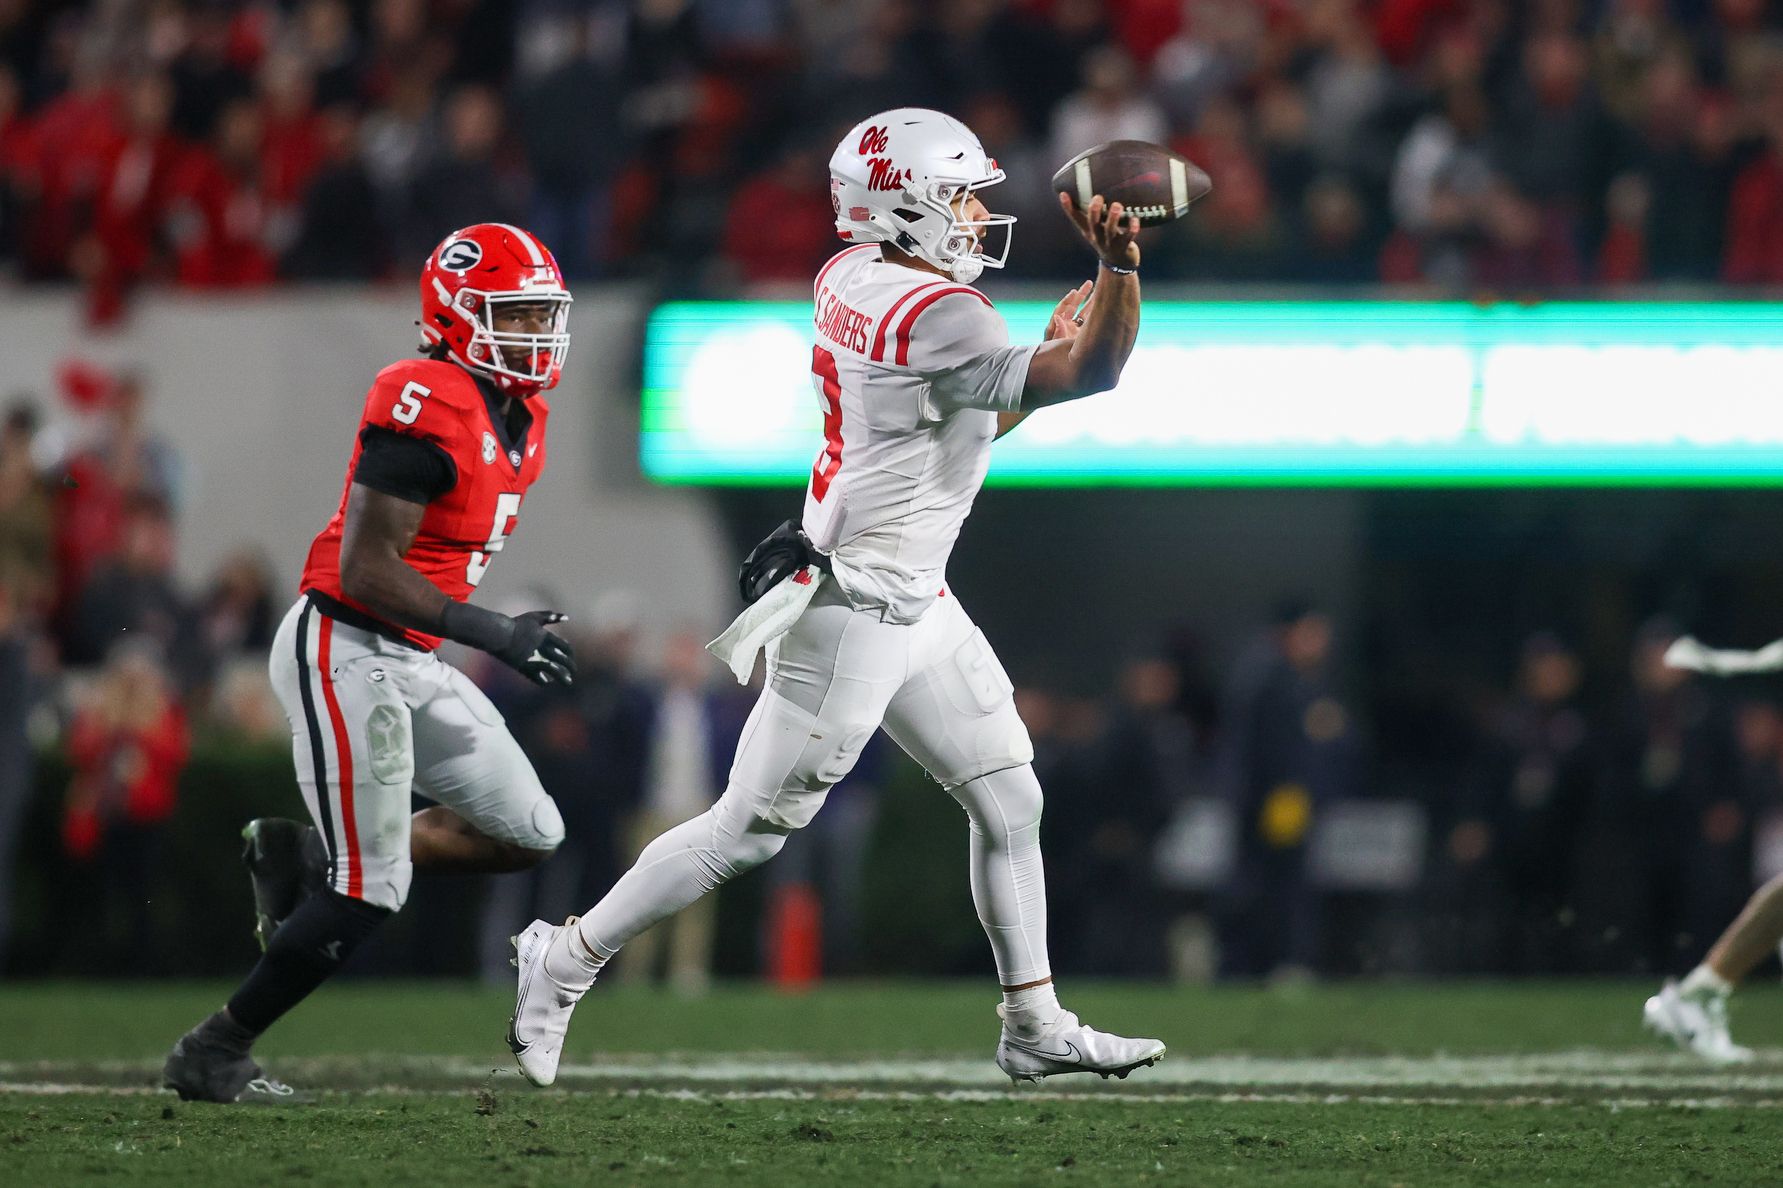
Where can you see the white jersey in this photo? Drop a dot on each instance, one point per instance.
(910, 371)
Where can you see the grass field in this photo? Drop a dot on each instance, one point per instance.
(892, 1084)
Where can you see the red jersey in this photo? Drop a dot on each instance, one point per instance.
(441, 403)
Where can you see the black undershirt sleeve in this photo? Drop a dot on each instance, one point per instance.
(404, 467)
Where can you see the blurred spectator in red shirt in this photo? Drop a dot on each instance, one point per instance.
(222, 219)
(1754, 253)
(124, 461)
(1622, 256)
(133, 198)
(62, 168)
(292, 147)
(15, 147)
(780, 226)
(127, 745)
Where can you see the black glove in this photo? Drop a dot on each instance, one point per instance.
(784, 553)
(521, 642)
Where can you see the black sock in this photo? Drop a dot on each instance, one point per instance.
(309, 946)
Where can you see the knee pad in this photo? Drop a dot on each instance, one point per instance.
(958, 718)
(1009, 801)
(743, 835)
(789, 759)
(546, 827)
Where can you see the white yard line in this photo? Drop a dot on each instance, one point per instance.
(1656, 1071)
(1613, 1079)
(843, 1098)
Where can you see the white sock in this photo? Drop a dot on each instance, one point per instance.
(572, 959)
(674, 870)
(1009, 888)
(1027, 1011)
(1703, 980)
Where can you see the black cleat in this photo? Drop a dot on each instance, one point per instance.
(288, 863)
(198, 1070)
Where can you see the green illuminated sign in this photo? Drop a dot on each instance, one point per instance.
(1290, 393)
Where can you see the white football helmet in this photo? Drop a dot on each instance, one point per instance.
(898, 178)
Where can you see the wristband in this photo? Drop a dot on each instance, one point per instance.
(1118, 270)
(476, 627)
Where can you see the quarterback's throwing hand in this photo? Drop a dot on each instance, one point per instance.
(1106, 227)
(542, 657)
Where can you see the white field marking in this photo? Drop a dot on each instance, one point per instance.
(1660, 1072)
(1013, 1097)
(1636, 1076)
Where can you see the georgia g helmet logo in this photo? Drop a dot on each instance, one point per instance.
(461, 255)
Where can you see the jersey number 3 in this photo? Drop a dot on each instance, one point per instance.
(823, 365)
(507, 507)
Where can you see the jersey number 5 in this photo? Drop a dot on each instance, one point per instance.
(408, 404)
(823, 365)
(507, 507)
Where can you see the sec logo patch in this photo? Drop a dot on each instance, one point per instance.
(490, 449)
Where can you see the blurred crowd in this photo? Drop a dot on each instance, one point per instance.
(1458, 146)
(104, 655)
(1570, 833)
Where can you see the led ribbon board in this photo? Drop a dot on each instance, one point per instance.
(1289, 393)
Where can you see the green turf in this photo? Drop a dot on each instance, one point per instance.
(560, 1140)
(450, 1120)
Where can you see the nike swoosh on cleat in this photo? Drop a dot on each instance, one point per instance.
(1070, 1052)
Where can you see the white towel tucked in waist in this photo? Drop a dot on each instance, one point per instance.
(765, 621)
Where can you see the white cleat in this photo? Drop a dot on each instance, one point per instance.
(1067, 1046)
(543, 1006)
(1695, 1022)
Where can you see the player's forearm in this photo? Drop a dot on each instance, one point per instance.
(388, 587)
(1109, 330)
(1095, 358)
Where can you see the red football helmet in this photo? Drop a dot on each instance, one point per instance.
(468, 278)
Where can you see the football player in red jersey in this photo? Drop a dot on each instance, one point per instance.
(446, 449)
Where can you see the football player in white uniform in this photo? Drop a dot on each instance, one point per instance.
(915, 375)
(1693, 1013)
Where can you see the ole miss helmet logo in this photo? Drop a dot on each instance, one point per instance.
(881, 173)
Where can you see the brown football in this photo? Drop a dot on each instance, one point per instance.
(1152, 182)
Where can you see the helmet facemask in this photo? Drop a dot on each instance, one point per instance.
(960, 249)
(494, 351)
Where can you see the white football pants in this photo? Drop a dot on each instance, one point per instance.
(836, 676)
(372, 720)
